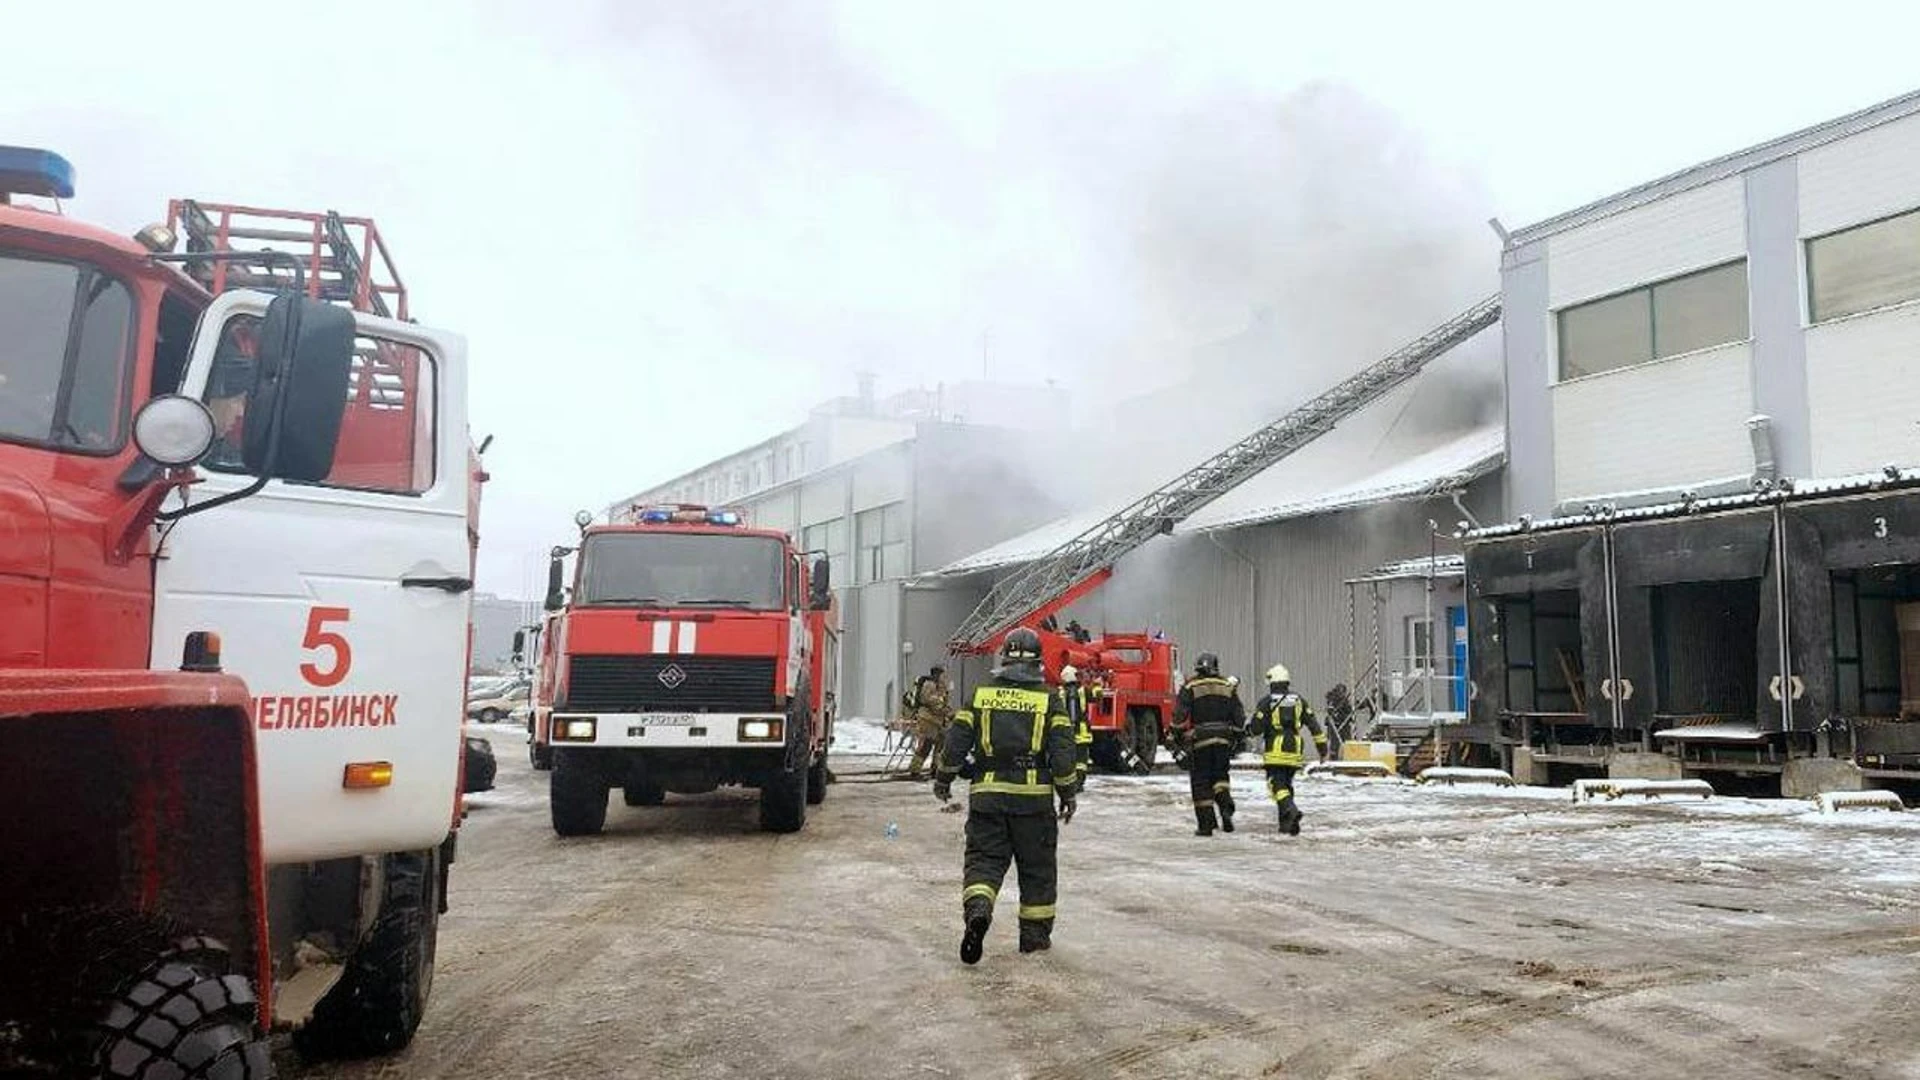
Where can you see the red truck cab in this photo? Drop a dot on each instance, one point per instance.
(691, 652)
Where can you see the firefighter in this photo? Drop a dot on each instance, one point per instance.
(1018, 743)
(930, 708)
(1075, 696)
(1212, 723)
(1277, 720)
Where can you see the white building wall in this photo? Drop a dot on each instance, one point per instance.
(1863, 388)
(1860, 178)
(1669, 423)
(1688, 231)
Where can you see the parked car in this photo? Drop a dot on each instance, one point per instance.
(497, 707)
(481, 766)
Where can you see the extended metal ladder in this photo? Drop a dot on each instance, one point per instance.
(1041, 582)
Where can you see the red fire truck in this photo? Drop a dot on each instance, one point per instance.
(219, 461)
(690, 652)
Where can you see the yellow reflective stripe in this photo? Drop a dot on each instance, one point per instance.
(1036, 911)
(1222, 785)
(991, 892)
(1203, 804)
(1007, 787)
(1067, 781)
(1282, 794)
(1039, 735)
(964, 716)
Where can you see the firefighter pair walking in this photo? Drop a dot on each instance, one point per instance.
(1213, 723)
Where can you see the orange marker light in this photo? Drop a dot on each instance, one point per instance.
(368, 774)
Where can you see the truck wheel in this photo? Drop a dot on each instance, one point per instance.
(817, 782)
(540, 757)
(376, 1006)
(783, 801)
(577, 795)
(491, 716)
(141, 1001)
(644, 793)
(1146, 737)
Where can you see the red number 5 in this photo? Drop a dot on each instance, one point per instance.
(318, 637)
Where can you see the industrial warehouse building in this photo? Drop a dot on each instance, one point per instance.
(1713, 385)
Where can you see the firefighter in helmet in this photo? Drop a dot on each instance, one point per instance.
(1277, 721)
(1212, 721)
(1020, 744)
(1075, 695)
(929, 706)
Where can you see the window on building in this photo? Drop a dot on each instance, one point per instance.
(1419, 644)
(882, 537)
(829, 538)
(1868, 266)
(1668, 318)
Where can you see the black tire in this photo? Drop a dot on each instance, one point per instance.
(124, 996)
(644, 793)
(783, 801)
(1146, 737)
(376, 1006)
(540, 757)
(577, 795)
(490, 715)
(482, 770)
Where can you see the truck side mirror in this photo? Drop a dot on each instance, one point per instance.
(299, 392)
(556, 586)
(519, 646)
(821, 583)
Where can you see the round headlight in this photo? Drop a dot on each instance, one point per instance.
(173, 430)
(583, 519)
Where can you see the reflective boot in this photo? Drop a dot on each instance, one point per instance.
(979, 916)
(1225, 802)
(1035, 936)
(1289, 819)
(1204, 816)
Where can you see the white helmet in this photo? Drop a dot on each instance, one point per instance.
(1069, 673)
(1279, 673)
(1233, 680)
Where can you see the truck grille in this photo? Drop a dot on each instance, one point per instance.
(671, 684)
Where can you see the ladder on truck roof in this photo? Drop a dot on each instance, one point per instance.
(1072, 568)
(346, 261)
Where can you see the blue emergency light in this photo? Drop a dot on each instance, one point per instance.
(723, 517)
(26, 171)
(655, 516)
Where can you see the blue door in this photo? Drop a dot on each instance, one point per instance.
(1457, 629)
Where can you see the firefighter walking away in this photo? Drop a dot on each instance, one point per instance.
(1213, 722)
(928, 705)
(1017, 743)
(1277, 720)
(1074, 694)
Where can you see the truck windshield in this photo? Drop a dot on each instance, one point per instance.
(684, 570)
(65, 351)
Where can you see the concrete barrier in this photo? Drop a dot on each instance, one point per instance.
(1591, 790)
(1833, 802)
(1806, 778)
(1451, 775)
(1364, 769)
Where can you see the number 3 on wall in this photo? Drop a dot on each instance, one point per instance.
(318, 638)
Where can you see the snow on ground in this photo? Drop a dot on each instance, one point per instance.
(861, 735)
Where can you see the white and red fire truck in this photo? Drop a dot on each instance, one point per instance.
(237, 491)
(690, 652)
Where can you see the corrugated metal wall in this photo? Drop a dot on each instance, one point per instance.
(1205, 598)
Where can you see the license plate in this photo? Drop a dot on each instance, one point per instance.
(667, 720)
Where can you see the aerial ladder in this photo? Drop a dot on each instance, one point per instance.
(1053, 582)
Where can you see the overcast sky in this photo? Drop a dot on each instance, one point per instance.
(668, 228)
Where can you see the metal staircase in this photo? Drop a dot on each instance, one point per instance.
(1094, 551)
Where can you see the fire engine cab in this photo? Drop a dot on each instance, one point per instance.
(690, 652)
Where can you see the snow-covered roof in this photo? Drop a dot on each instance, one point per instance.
(1441, 566)
(1279, 493)
(1318, 480)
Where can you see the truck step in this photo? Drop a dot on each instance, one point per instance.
(1454, 774)
(295, 999)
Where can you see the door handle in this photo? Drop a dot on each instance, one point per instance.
(444, 584)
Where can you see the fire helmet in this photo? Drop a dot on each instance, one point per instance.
(1069, 673)
(1206, 664)
(1278, 673)
(1021, 646)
